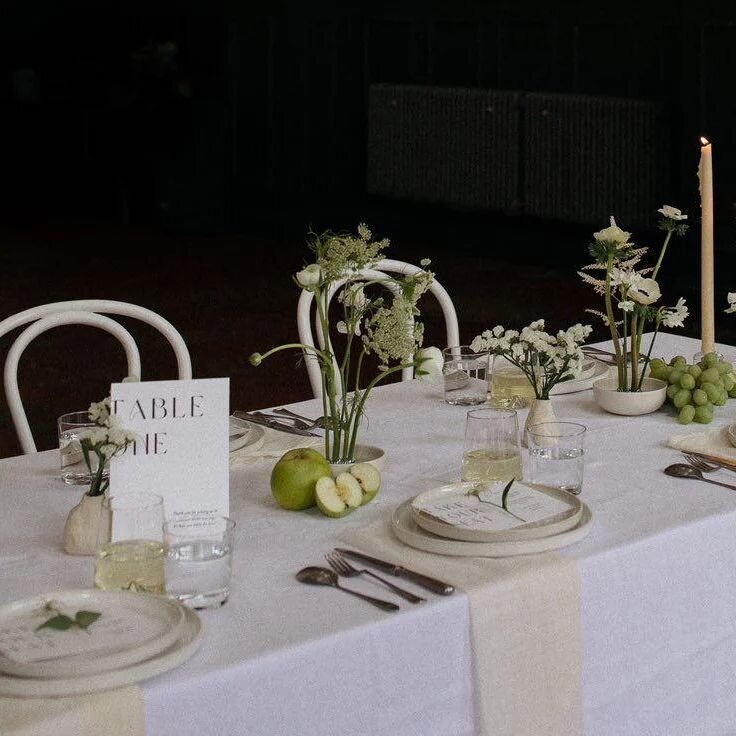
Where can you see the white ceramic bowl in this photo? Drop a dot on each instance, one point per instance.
(363, 454)
(630, 403)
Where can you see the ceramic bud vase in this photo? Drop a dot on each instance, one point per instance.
(363, 454)
(540, 411)
(80, 530)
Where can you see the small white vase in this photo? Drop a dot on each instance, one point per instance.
(82, 524)
(540, 411)
(630, 403)
(363, 454)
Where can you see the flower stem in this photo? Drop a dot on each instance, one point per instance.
(661, 254)
(612, 326)
(649, 355)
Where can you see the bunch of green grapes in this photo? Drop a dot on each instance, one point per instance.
(695, 389)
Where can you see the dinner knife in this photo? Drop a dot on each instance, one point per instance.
(436, 586)
(272, 423)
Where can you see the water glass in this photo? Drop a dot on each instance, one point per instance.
(199, 562)
(492, 450)
(465, 373)
(130, 544)
(73, 427)
(556, 455)
(510, 387)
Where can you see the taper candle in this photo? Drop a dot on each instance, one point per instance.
(707, 305)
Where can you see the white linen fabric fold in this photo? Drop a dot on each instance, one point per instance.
(525, 633)
(113, 713)
(712, 442)
(273, 445)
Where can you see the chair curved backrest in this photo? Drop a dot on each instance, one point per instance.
(79, 311)
(17, 412)
(379, 270)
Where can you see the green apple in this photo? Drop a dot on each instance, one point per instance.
(294, 476)
(337, 498)
(369, 479)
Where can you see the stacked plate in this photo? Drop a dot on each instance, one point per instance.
(136, 636)
(414, 525)
(591, 371)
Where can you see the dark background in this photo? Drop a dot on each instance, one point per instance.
(174, 155)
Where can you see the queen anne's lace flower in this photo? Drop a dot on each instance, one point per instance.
(731, 303)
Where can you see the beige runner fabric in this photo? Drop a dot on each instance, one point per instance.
(525, 633)
(112, 713)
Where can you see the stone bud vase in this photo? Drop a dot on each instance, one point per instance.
(540, 411)
(82, 525)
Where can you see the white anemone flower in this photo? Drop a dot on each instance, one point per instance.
(430, 369)
(671, 213)
(676, 316)
(731, 303)
(309, 277)
(646, 291)
(612, 234)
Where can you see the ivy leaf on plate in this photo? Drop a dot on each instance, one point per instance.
(60, 622)
(83, 619)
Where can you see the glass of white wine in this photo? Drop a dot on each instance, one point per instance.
(492, 450)
(130, 544)
(510, 387)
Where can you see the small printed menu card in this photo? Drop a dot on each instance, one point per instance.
(525, 505)
(182, 447)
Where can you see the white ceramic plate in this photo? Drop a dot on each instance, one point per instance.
(244, 434)
(583, 382)
(410, 533)
(553, 525)
(150, 623)
(190, 635)
(732, 434)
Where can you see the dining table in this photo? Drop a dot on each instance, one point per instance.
(656, 575)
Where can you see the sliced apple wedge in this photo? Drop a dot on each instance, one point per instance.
(336, 498)
(369, 480)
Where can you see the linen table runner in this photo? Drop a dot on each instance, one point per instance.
(525, 633)
(112, 713)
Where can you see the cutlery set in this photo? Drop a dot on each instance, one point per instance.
(291, 425)
(697, 465)
(340, 567)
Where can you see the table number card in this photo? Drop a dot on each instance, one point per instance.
(182, 448)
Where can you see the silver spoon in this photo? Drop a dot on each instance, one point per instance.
(319, 422)
(680, 470)
(323, 576)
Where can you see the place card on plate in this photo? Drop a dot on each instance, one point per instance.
(182, 450)
(483, 511)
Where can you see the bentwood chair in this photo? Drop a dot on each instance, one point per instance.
(380, 271)
(84, 312)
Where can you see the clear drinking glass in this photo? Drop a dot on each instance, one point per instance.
(465, 374)
(492, 450)
(72, 428)
(510, 388)
(130, 544)
(556, 455)
(199, 562)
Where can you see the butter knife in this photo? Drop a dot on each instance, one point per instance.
(272, 423)
(436, 586)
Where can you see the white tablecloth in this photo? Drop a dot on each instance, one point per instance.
(657, 576)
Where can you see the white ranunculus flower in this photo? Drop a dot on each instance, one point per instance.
(675, 317)
(612, 234)
(731, 303)
(627, 305)
(671, 213)
(309, 277)
(431, 368)
(645, 291)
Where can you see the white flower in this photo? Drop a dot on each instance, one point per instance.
(364, 232)
(613, 234)
(731, 303)
(342, 328)
(425, 262)
(645, 291)
(675, 317)
(98, 436)
(671, 213)
(430, 369)
(99, 412)
(309, 277)
(627, 305)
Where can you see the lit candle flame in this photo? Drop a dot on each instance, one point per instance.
(704, 141)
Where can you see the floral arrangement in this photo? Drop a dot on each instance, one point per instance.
(630, 293)
(104, 442)
(544, 359)
(386, 328)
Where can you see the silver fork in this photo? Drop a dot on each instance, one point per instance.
(705, 466)
(342, 567)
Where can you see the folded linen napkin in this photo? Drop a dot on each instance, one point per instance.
(525, 632)
(713, 442)
(273, 444)
(113, 713)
